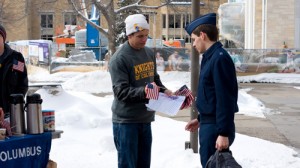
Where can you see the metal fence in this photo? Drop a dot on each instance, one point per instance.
(39, 52)
(265, 60)
(245, 60)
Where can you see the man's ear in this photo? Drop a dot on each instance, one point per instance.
(203, 36)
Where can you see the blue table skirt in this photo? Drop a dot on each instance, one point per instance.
(28, 151)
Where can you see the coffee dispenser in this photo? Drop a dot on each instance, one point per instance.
(17, 120)
(34, 114)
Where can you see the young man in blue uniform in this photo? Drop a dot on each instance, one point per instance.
(217, 94)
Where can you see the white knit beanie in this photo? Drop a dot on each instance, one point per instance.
(135, 23)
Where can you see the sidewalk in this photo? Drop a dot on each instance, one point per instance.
(280, 128)
(252, 126)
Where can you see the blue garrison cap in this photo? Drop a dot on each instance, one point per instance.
(210, 18)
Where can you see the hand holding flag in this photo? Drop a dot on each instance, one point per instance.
(184, 91)
(152, 91)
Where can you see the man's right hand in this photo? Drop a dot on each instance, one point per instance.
(192, 125)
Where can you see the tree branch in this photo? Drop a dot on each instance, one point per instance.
(137, 5)
(89, 21)
(103, 9)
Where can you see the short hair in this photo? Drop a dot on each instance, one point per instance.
(210, 30)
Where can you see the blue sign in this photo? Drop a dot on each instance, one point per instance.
(26, 151)
(92, 35)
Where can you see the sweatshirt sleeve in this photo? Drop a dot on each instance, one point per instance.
(159, 83)
(22, 85)
(18, 79)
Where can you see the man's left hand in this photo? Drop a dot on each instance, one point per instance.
(168, 92)
(222, 143)
(1, 114)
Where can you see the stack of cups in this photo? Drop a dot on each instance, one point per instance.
(2, 133)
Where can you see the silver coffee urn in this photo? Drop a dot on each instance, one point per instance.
(34, 114)
(17, 119)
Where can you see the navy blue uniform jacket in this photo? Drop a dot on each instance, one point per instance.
(217, 90)
(12, 81)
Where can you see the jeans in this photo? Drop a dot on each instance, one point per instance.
(207, 138)
(133, 142)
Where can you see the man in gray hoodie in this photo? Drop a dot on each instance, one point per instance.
(135, 80)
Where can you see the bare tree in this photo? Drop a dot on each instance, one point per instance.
(110, 12)
(6, 8)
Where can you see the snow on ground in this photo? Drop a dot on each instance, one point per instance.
(87, 140)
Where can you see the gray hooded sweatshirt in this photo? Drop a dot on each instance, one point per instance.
(130, 71)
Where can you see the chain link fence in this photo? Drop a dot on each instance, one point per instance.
(170, 59)
(245, 60)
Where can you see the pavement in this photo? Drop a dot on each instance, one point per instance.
(281, 124)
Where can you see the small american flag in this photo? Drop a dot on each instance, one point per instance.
(189, 98)
(152, 91)
(18, 65)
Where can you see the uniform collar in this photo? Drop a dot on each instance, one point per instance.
(209, 52)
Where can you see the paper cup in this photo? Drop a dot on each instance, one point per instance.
(2, 133)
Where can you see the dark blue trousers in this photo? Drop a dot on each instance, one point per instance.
(133, 142)
(207, 138)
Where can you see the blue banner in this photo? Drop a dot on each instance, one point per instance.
(29, 151)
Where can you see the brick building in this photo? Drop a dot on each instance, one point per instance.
(268, 23)
(271, 23)
(46, 19)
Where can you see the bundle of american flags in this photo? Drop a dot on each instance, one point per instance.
(152, 91)
(189, 98)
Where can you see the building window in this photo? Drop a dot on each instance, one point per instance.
(46, 26)
(47, 20)
(164, 21)
(47, 37)
(171, 21)
(177, 20)
(70, 18)
(187, 39)
(181, 1)
(186, 20)
(176, 25)
(230, 1)
(147, 17)
(174, 21)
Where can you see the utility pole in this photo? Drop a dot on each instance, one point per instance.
(194, 78)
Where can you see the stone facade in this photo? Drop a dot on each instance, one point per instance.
(280, 23)
(29, 24)
(29, 27)
(279, 20)
(274, 24)
(14, 19)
